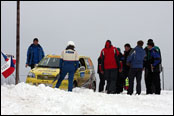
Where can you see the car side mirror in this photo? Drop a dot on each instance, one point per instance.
(82, 68)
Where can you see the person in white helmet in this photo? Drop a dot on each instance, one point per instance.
(69, 63)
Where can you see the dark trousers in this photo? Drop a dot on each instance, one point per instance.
(149, 81)
(157, 83)
(111, 77)
(102, 82)
(70, 78)
(153, 82)
(125, 75)
(120, 82)
(135, 72)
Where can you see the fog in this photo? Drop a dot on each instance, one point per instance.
(89, 24)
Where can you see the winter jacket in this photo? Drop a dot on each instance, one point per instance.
(69, 60)
(147, 59)
(125, 66)
(34, 54)
(155, 57)
(121, 58)
(135, 59)
(109, 58)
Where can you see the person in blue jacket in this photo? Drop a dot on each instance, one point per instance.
(69, 63)
(155, 61)
(135, 60)
(34, 54)
(150, 89)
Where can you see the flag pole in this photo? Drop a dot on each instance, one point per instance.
(17, 42)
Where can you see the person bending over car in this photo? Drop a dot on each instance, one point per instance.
(69, 63)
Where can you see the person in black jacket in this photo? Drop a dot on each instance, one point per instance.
(101, 76)
(125, 56)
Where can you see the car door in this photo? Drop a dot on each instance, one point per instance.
(90, 67)
(82, 78)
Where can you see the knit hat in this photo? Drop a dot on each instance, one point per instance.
(150, 44)
(149, 41)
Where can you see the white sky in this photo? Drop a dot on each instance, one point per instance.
(89, 24)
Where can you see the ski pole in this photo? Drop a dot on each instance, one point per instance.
(163, 76)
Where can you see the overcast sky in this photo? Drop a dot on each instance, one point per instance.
(89, 24)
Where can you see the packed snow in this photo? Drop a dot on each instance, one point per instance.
(25, 99)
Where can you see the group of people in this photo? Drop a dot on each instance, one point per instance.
(114, 67)
(120, 70)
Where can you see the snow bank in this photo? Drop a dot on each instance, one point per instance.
(26, 99)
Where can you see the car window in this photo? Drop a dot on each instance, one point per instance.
(49, 62)
(82, 63)
(88, 63)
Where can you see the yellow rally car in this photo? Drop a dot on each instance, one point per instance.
(47, 72)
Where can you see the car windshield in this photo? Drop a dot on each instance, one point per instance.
(49, 62)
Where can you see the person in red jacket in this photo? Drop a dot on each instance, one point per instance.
(110, 65)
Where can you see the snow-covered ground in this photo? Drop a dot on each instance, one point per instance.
(28, 99)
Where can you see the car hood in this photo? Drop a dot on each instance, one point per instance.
(46, 71)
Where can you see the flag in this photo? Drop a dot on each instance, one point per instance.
(8, 68)
(6, 58)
